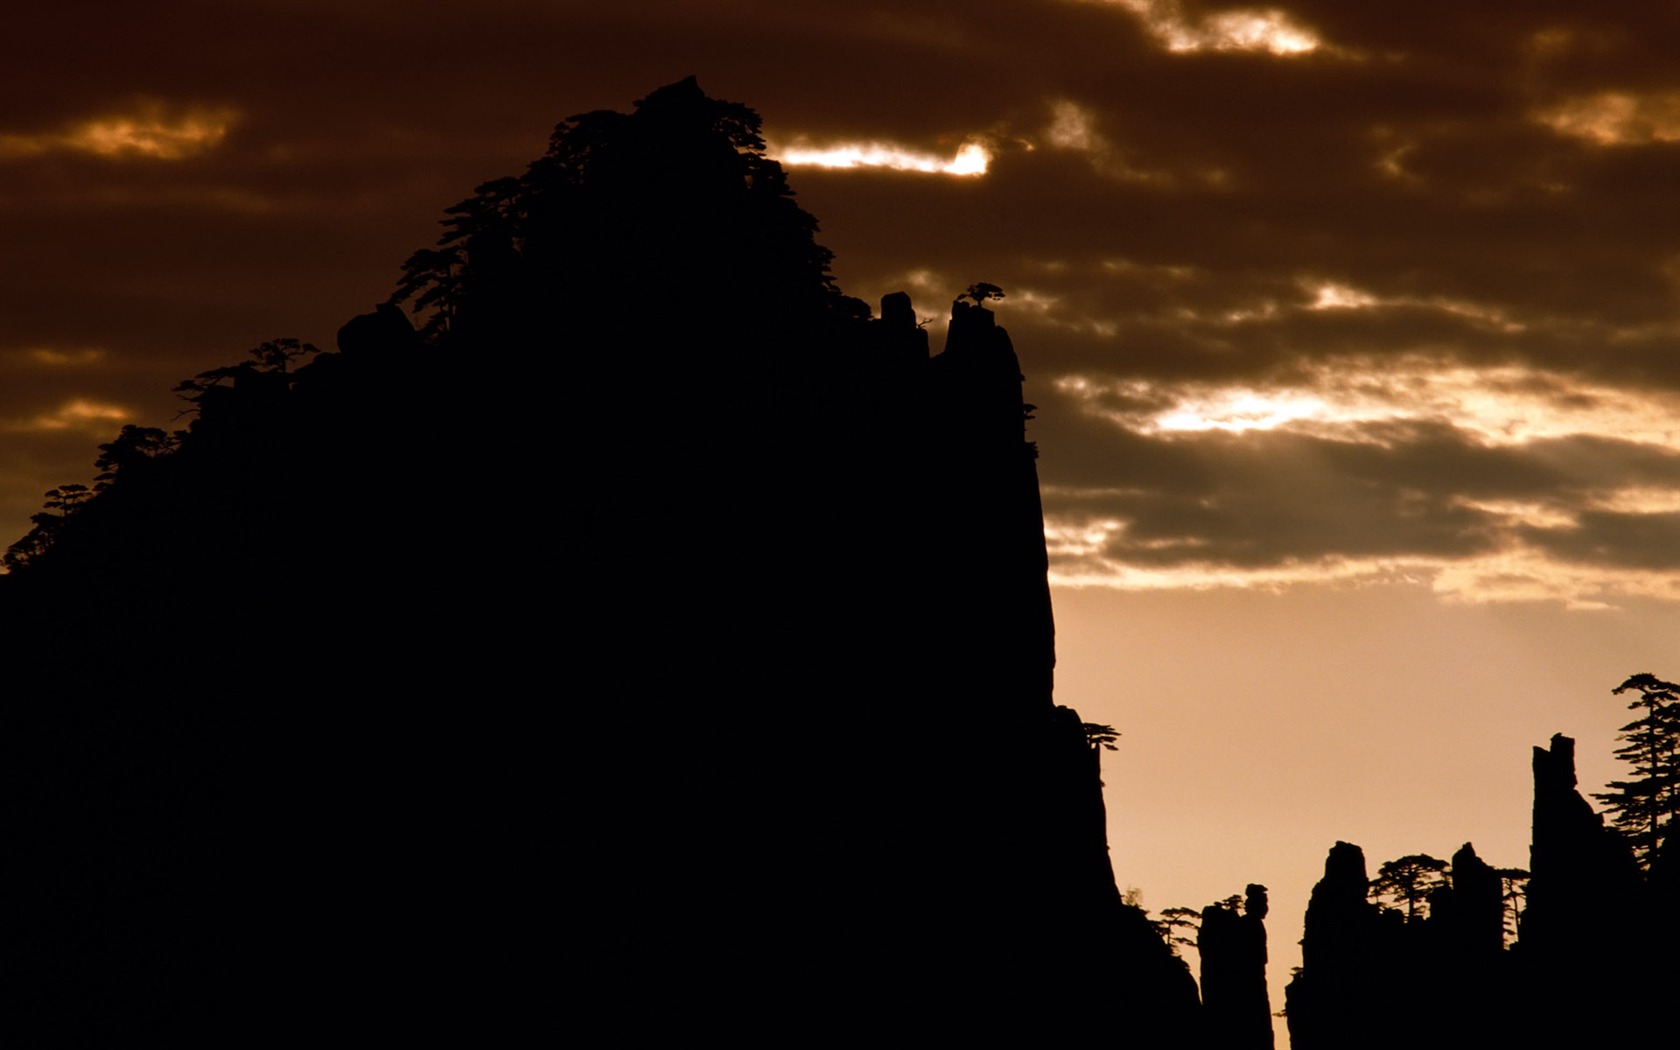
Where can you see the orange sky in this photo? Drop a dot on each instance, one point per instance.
(1354, 328)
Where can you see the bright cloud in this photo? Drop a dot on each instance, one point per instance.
(1487, 484)
(971, 159)
(1248, 29)
(1515, 575)
(56, 358)
(1072, 127)
(75, 414)
(1617, 118)
(1340, 296)
(1333, 296)
(1506, 405)
(151, 131)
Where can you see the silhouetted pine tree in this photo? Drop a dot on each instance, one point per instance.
(1643, 808)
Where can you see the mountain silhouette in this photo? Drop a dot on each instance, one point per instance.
(639, 623)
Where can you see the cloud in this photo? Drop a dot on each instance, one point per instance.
(970, 159)
(1498, 405)
(1268, 30)
(1364, 479)
(150, 131)
(1305, 289)
(1617, 118)
(53, 357)
(79, 414)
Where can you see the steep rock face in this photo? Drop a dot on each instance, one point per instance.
(1236, 1004)
(1576, 863)
(1577, 959)
(1330, 1001)
(1462, 946)
(1468, 914)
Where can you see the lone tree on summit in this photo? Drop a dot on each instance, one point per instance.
(1644, 807)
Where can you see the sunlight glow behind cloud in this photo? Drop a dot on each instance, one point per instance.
(75, 414)
(1334, 296)
(1586, 544)
(1340, 296)
(1617, 118)
(1072, 127)
(56, 358)
(149, 132)
(1248, 29)
(1515, 575)
(1505, 405)
(971, 159)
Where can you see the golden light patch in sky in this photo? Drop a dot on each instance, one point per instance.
(1072, 127)
(1617, 118)
(1627, 500)
(1331, 295)
(1205, 576)
(1639, 500)
(149, 132)
(75, 414)
(1517, 574)
(971, 159)
(1393, 150)
(1340, 296)
(1359, 401)
(1523, 512)
(1079, 538)
(1025, 299)
(1525, 575)
(1248, 29)
(46, 355)
(1507, 405)
(1240, 410)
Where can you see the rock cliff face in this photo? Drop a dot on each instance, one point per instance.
(1336, 992)
(1236, 1004)
(1592, 937)
(1577, 864)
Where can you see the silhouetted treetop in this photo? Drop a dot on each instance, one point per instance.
(1643, 808)
(1099, 735)
(1407, 881)
(1173, 924)
(673, 201)
(133, 448)
(275, 357)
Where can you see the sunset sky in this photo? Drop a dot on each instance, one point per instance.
(1354, 329)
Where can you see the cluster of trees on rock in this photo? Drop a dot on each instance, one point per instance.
(131, 461)
(1409, 884)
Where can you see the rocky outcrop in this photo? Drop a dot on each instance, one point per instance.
(1578, 866)
(1593, 939)
(1237, 1010)
(1371, 977)
(1331, 999)
(1584, 945)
